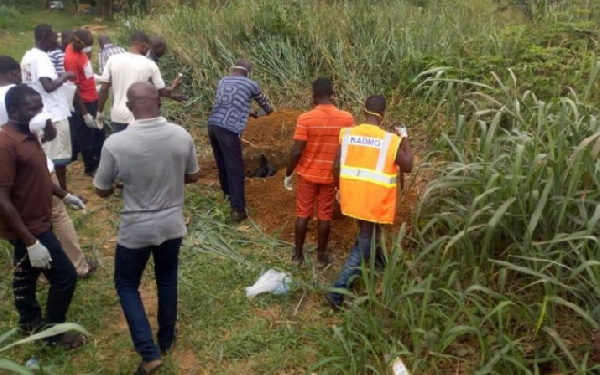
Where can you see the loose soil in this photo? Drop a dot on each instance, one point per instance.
(273, 207)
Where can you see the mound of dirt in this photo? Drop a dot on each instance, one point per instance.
(269, 135)
(273, 207)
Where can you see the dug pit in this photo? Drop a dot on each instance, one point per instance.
(273, 207)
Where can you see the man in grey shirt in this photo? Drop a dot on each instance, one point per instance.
(153, 159)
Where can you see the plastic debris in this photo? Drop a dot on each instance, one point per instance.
(270, 282)
(32, 364)
(399, 368)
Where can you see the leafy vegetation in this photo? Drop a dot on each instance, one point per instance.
(498, 272)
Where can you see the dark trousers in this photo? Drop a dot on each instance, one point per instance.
(61, 276)
(227, 149)
(89, 141)
(129, 267)
(119, 126)
(361, 250)
(73, 129)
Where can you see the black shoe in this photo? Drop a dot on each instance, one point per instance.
(166, 351)
(29, 329)
(238, 216)
(331, 303)
(90, 173)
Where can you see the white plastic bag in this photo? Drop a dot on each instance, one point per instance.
(270, 282)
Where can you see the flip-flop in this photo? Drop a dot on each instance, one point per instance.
(147, 368)
(321, 264)
(297, 261)
(92, 267)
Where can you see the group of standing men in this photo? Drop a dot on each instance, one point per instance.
(153, 159)
(45, 100)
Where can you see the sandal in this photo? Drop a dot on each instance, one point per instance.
(324, 263)
(92, 267)
(147, 368)
(297, 260)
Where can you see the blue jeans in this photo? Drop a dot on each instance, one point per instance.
(61, 276)
(227, 150)
(361, 250)
(129, 267)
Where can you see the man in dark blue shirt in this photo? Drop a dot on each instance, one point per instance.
(226, 123)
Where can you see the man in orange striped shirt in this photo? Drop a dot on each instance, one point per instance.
(315, 147)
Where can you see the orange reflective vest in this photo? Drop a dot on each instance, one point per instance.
(368, 172)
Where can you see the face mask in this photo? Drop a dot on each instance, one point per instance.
(87, 49)
(38, 122)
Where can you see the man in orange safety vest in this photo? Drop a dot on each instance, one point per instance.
(366, 171)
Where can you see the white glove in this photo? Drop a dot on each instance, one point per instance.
(90, 122)
(74, 202)
(100, 121)
(402, 132)
(287, 182)
(39, 256)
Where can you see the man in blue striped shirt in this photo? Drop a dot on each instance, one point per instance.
(226, 123)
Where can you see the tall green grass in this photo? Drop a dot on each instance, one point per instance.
(503, 274)
(369, 47)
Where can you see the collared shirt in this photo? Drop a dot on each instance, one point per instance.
(108, 51)
(232, 104)
(151, 157)
(23, 170)
(320, 128)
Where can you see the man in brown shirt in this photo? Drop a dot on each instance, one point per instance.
(25, 219)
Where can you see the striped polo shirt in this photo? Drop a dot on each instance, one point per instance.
(320, 128)
(232, 104)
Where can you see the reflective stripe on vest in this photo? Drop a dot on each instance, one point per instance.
(368, 175)
(378, 178)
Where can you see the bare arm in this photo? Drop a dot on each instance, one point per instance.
(168, 92)
(12, 218)
(103, 96)
(295, 156)
(336, 168)
(51, 86)
(57, 191)
(49, 132)
(78, 101)
(404, 156)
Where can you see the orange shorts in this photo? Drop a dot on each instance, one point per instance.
(309, 193)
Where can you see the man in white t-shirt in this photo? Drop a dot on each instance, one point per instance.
(39, 73)
(125, 69)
